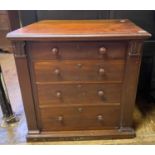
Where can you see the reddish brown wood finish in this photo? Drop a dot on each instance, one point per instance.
(79, 78)
(25, 84)
(81, 70)
(81, 135)
(80, 118)
(79, 30)
(130, 82)
(77, 50)
(59, 94)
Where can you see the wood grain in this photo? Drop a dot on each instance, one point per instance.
(77, 50)
(26, 93)
(79, 30)
(89, 70)
(130, 83)
(25, 85)
(73, 119)
(68, 94)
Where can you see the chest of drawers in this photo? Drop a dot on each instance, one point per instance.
(78, 78)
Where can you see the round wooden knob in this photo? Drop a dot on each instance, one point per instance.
(79, 86)
(100, 118)
(101, 93)
(60, 118)
(57, 71)
(79, 65)
(59, 94)
(102, 71)
(102, 50)
(80, 109)
(55, 51)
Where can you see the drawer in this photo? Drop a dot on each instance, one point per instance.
(78, 50)
(80, 118)
(59, 94)
(79, 70)
(4, 22)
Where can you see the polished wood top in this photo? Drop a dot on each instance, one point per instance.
(79, 29)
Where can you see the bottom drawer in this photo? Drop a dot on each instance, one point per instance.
(79, 118)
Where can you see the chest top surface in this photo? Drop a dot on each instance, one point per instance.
(79, 29)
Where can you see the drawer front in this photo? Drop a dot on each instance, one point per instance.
(78, 50)
(80, 118)
(51, 71)
(4, 23)
(60, 94)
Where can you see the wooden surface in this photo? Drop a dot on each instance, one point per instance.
(77, 50)
(65, 94)
(50, 70)
(81, 70)
(143, 117)
(25, 85)
(78, 30)
(75, 119)
(133, 61)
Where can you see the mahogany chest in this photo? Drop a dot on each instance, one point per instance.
(78, 78)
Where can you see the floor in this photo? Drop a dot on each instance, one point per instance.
(144, 115)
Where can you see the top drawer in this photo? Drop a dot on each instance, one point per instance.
(77, 50)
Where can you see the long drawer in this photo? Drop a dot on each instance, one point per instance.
(79, 70)
(60, 94)
(79, 118)
(77, 50)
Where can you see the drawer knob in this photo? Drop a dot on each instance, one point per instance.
(102, 71)
(55, 51)
(80, 109)
(59, 94)
(100, 118)
(101, 93)
(60, 119)
(57, 71)
(79, 65)
(102, 50)
(79, 86)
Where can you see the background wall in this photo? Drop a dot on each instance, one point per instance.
(145, 19)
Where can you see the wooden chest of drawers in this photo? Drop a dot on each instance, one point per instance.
(78, 78)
